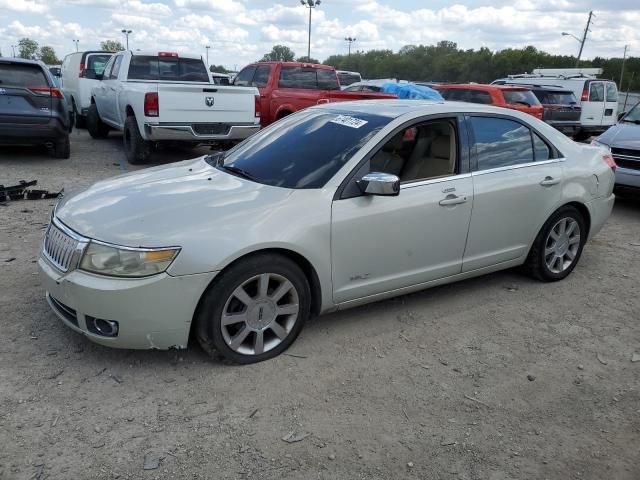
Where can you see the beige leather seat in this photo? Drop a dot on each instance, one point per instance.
(435, 161)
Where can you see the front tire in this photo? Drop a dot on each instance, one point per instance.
(255, 310)
(136, 148)
(558, 246)
(96, 127)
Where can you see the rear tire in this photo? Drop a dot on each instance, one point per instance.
(96, 127)
(62, 148)
(558, 246)
(269, 314)
(136, 148)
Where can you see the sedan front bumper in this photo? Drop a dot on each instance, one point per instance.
(201, 133)
(152, 313)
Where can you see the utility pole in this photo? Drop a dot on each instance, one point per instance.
(208, 47)
(624, 57)
(350, 40)
(584, 38)
(13, 47)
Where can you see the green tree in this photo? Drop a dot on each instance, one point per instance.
(218, 69)
(306, 59)
(111, 46)
(27, 48)
(279, 53)
(48, 55)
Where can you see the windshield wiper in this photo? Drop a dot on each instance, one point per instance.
(238, 172)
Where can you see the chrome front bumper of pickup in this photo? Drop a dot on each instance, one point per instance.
(186, 132)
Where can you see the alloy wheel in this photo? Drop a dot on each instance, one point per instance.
(562, 245)
(259, 314)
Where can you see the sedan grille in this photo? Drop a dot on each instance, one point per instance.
(59, 248)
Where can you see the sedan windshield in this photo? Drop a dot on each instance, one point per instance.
(634, 115)
(303, 150)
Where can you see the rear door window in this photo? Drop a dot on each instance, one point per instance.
(612, 92)
(501, 143)
(143, 67)
(477, 96)
(22, 75)
(244, 78)
(596, 92)
(559, 98)
(298, 77)
(261, 77)
(327, 80)
(116, 67)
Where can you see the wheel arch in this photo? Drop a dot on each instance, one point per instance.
(129, 111)
(300, 260)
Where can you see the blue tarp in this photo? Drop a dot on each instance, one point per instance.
(411, 91)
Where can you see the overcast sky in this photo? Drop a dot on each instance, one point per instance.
(241, 31)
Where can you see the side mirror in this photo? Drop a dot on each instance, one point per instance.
(377, 183)
(621, 115)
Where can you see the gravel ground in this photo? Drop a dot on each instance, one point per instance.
(499, 377)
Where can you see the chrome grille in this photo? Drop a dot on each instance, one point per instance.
(60, 247)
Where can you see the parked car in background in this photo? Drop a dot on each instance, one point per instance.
(220, 78)
(55, 73)
(156, 97)
(338, 205)
(513, 97)
(80, 72)
(346, 78)
(33, 110)
(286, 87)
(623, 140)
(598, 97)
(366, 86)
(561, 108)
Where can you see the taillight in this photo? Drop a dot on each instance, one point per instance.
(585, 93)
(608, 159)
(81, 73)
(258, 106)
(47, 92)
(151, 104)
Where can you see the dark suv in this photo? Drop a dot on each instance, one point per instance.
(33, 111)
(561, 108)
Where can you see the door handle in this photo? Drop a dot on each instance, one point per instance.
(452, 200)
(549, 181)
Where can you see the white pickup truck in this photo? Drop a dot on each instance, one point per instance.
(165, 97)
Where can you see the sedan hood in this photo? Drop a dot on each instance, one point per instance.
(622, 135)
(158, 207)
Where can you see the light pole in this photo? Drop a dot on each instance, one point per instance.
(76, 41)
(208, 47)
(350, 40)
(310, 4)
(624, 57)
(13, 47)
(126, 34)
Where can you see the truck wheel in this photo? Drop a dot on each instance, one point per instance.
(80, 120)
(136, 148)
(62, 148)
(96, 127)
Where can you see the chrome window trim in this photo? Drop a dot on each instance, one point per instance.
(516, 167)
(431, 181)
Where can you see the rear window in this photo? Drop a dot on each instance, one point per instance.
(612, 92)
(97, 62)
(556, 98)
(466, 95)
(22, 75)
(596, 92)
(520, 97)
(308, 78)
(169, 69)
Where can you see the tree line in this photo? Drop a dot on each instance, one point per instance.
(30, 50)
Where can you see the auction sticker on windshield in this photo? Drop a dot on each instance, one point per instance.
(348, 121)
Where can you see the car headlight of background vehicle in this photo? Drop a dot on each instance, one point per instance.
(126, 262)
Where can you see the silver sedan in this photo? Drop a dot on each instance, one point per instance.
(335, 206)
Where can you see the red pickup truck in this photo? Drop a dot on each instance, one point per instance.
(286, 87)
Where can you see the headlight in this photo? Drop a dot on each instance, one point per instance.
(598, 144)
(126, 262)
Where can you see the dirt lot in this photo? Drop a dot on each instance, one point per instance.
(495, 378)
